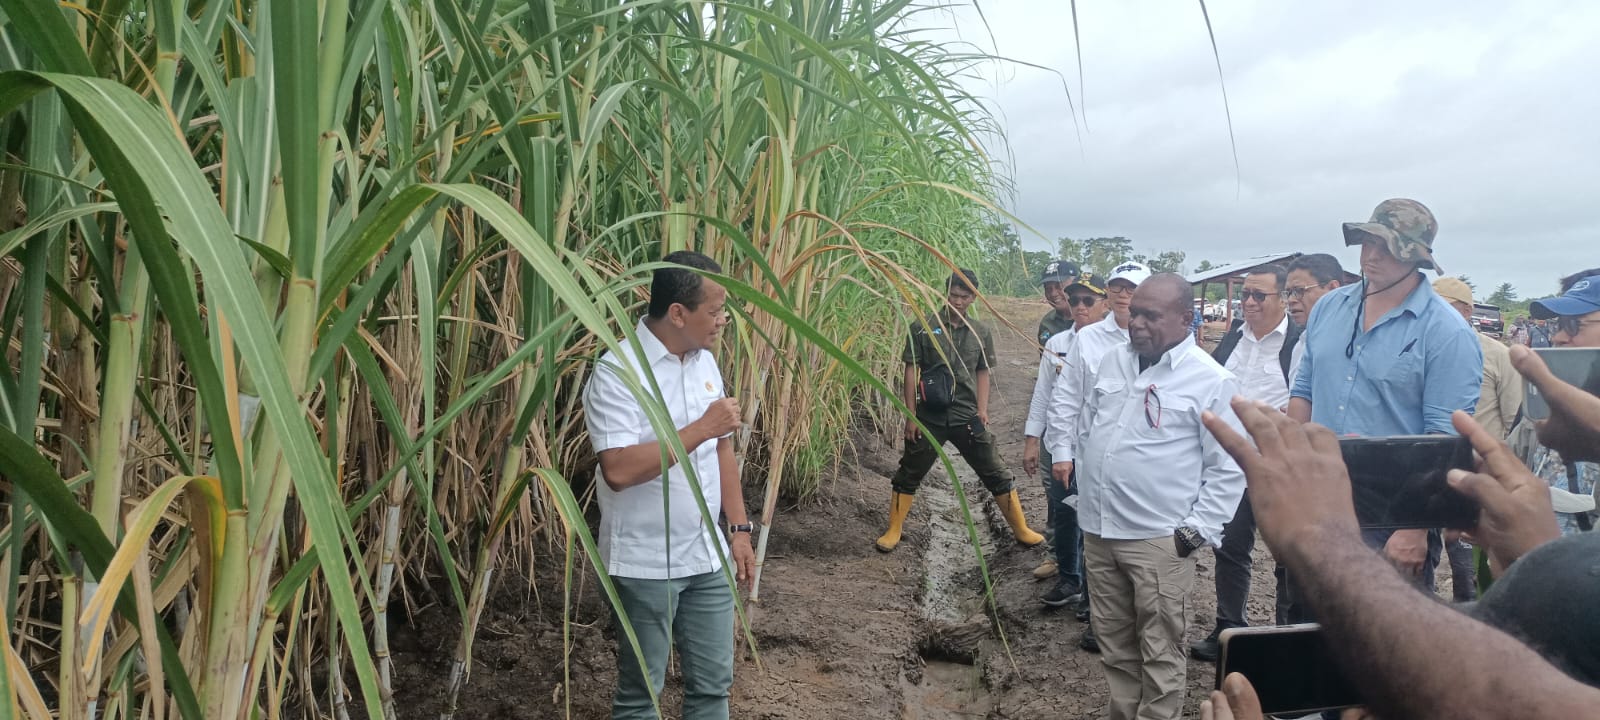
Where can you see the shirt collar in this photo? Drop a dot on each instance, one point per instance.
(1416, 302)
(1174, 357)
(654, 349)
(1281, 329)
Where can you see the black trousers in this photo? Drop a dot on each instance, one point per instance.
(976, 445)
(1233, 566)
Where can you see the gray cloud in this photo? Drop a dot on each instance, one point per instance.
(1483, 111)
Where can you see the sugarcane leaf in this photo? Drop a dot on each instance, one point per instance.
(135, 541)
(143, 160)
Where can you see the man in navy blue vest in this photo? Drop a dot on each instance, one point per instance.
(1258, 351)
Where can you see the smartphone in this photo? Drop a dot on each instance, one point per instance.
(1290, 667)
(1579, 367)
(1399, 482)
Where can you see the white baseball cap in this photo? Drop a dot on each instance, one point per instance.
(1133, 272)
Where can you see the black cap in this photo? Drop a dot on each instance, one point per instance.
(1547, 600)
(1060, 271)
(1088, 281)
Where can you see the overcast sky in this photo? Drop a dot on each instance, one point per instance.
(1487, 112)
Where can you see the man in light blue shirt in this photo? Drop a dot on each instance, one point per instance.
(1388, 356)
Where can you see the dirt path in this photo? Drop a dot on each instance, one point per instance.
(842, 630)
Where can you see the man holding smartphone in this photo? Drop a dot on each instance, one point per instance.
(1257, 351)
(1388, 356)
(1576, 314)
(947, 381)
(1154, 487)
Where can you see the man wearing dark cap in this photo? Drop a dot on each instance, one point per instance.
(1086, 299)
(1054, 280)
(1576, 315)
(1388, 356)
(947, 360)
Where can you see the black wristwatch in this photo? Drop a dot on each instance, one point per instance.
(741, 528)
(1188, 540)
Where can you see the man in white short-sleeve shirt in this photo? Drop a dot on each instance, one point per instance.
(662, 553)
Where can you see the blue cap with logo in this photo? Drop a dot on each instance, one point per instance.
(1580, 299)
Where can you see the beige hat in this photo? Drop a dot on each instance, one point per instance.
(1453, 289)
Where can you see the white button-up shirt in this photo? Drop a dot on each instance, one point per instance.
(1148, 466)
(634, 537)
(1296, 357)
(1051, 363)
(1255, 362)
(1064, 430)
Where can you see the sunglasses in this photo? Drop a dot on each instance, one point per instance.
(1082, 300)
(1295, 293)
(1574, 324)
(1255, 295)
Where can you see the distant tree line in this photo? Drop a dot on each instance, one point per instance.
(1007, 269)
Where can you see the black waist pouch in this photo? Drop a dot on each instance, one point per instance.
(936, 391)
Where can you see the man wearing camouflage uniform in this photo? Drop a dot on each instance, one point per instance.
(947, 361)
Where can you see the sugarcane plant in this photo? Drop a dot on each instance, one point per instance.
(299, 298)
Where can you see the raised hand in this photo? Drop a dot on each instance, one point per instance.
(1514, 514)
(1574, 425)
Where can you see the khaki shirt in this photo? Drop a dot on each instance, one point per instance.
(1501, 394)
(965, 349)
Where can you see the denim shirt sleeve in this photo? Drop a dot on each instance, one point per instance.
(1454, 376)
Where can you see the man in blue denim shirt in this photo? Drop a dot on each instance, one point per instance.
(1388, 356)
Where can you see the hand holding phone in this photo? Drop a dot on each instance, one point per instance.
(1402, 482)
(1290, 667)
(1567, 396)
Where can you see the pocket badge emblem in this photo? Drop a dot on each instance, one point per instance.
(709, 388)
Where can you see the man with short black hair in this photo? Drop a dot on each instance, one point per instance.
(662, 555)
(947, 360)
(1154, 486)
(1310, 277)
(1258, 351)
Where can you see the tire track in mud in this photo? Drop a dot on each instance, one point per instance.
(949, 679)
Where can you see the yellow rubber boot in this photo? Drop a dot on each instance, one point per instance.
(1011, 508)
(899, 508)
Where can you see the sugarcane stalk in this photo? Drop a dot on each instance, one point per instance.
(769, 503)
(483, 572)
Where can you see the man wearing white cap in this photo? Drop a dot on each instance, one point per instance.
(1078, 374)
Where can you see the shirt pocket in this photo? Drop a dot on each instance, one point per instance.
(1105, 397)
(1164, 415)
(1404, 376)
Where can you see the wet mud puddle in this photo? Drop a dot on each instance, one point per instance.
(949, 680)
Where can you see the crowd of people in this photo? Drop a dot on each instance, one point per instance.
(1150, 449)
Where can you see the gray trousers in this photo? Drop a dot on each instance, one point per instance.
(695, 614)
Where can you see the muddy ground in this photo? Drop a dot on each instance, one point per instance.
(841, 630)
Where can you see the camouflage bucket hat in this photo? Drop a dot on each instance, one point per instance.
(1406, 227)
